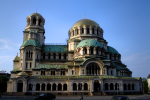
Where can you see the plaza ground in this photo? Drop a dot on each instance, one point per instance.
(131, 97)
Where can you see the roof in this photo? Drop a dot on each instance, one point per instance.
(22, 74)
(120, 66)
(148, 76)
(31, 42)
(112, 50)
(37, 14)
(85, 77)
(16, 58)
(52, 66)
(85, 22)
(54, 48)
(89, 42)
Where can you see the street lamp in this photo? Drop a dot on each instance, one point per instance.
(143, 87)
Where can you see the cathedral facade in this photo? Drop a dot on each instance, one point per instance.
(86, 64)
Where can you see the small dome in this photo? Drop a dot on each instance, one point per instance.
(85, 22)
(148, 76)
(37, 14)
(89, 42)
(112, 50)
(22, 74)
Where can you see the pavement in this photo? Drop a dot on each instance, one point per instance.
(131, 97)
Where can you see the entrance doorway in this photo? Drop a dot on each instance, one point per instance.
(96, 86)
(20, 86)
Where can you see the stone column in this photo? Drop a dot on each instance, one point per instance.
(85, 32)
(56, 87)
(82, 87)
(31, 21)
(24, 62)
(33, 64)
(40, 87)
(45, 87)
(56, 55)
(94, 50)
(37, 20)
(62, 88)
(114, 87)
(90, 30)
(88, 51)
(34, 88)
(108, 86)
(80, 29)
(95, 31)
(77, 86)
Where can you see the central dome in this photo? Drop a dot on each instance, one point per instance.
(85, 22)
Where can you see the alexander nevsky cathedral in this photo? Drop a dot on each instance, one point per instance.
(86, 64)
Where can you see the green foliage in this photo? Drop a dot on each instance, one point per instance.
(145, 84)
(3, 83)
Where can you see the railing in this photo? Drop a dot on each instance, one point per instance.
(55, 44)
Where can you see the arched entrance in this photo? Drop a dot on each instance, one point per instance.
(20, 86)
(96, 86)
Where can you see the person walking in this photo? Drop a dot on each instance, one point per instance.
(81, 96)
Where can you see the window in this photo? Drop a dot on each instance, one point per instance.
(72, 72)
(37, 56)
(82, 30)
(65, 56)
(59, 55)
(34, 21)
(52, 72)
(77, 31)
(85, 50)
(42, 72)
(43, 55)
(111, 72)
(40, 22)
(91, 50)
(26, 65)
(73, 33)
(49, 56)
(62, 72)
(87, 30)
(93, 30)
(30, 64)
(97, 31)
(54, 55)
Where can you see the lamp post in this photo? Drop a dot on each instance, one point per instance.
(117, 88)
(143, 87)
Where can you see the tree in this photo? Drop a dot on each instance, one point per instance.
(145, 85)
(3, 83)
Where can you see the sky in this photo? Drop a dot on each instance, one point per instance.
(125, 23)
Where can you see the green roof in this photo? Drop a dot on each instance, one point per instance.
(85, 22)
(52, 66)
(31, 42)
(36, 14)
(112, 50)
(89, 42)
(17, 58)
(17, 69)
(54, 48)
(120, 66)
(22, 74)
(85, 77)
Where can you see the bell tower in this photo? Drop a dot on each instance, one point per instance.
(35, 28)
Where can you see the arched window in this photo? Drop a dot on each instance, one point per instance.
(111, 72)
(72, 72)
(87, 30)
(59, 55)
(40, 22)
(85, 50)
(91, 48)
(54, 56)
(31, 54)
(49, 56)
(30, 87)
(43, 87)
(82, 30)
(97, 50)
(65, 87)
(74, 86)
(77, 31)
(97, 31)
(133, 87)
(111, 86)
(26, 65)
(92, 30)
(48, 86)
(116, 86)
(73, 33)
(65, 56)
(43, 55)
(37, 87)
(129, 87)
(59, 87)
(106, 86)
(26, 54)
(34, 21)
(79, 86)
(85, 86)
(54, 87)
(30, 64)
(125, 87)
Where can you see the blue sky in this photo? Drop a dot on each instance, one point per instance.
(125, 23)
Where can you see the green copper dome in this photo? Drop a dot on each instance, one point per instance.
(37, 14)
(22, 74)
(89, 42)
(31, 42)
(112, 50)
(85, 22)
